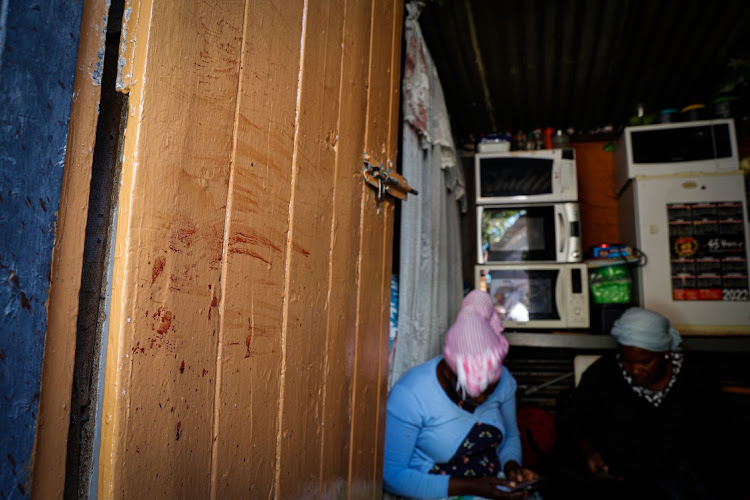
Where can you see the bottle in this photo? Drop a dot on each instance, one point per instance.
(530, 142)
(538, 139)
(548, 131)
(560, 140)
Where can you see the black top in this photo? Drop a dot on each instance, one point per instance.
(638, 439)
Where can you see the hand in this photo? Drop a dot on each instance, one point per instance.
(482, 486)
(596, 464)
(517, 474)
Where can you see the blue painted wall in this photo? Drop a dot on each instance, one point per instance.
(38, 47)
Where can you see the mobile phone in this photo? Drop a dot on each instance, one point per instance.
(602, 474)
(524, 486)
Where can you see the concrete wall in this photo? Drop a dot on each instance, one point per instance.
(38, 46)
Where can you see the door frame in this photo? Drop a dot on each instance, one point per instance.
(53, 420)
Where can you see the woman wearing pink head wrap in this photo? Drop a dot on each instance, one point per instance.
(475, 346)
(451, 424)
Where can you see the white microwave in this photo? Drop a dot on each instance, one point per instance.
(706, 146)
(541, 232)
(536, 295)
(538, 176)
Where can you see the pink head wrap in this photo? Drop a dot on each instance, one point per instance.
(474, 345)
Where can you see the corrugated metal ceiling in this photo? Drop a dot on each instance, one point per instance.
(585, 64)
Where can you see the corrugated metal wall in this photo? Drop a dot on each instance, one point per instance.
(580, 63)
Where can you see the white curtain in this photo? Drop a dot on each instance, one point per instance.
(430, 272)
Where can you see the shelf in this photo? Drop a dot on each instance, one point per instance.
(561, 340)
(586, 341)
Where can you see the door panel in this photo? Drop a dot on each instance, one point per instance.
(160, 375)
(345, 242)
(253, 278)
(371, 374)
(252, 272)
(309, 252)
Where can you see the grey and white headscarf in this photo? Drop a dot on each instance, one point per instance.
(646, 329)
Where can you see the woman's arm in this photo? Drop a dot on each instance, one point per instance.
(510, 448)
(485, 487)
(582, 410)
(402, 426)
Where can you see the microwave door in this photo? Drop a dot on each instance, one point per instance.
(518, 234)
(524, 296)
(546, 292)
(516, 178)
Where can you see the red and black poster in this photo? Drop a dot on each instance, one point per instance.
(707, 251)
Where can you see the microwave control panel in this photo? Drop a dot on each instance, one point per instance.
(578, 305)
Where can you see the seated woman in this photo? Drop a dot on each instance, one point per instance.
(451, 423)
(641, 422)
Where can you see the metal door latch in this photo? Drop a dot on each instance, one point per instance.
(385, 181)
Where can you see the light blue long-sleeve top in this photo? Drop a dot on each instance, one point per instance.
(424, 427)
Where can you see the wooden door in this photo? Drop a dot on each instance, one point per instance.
(248, 342)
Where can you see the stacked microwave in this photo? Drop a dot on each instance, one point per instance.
(529, 255)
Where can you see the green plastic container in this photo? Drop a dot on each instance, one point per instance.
(610, 281)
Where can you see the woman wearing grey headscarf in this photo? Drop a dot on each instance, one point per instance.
(639, 424)
(649, 352)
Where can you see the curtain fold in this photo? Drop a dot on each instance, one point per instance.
(430, 273)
